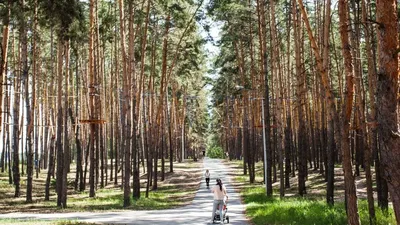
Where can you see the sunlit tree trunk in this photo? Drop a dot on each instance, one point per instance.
(349, 180)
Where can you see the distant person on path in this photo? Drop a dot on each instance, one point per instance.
(220, 194)
(207, 175)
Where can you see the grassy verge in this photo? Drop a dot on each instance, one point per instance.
(178, 189)
(293, 209)
(42, 222)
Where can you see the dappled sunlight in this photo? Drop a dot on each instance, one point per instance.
(293, 209)
(176, 202)
(178, 189)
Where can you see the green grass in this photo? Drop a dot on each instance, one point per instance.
(305, 211)
(165, 197)
(295, 210)
(42, 222)
(264, 210)
(177, 190)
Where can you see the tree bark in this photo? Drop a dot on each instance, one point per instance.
(132, 117)
(388, 89)
(50, 169)
(66, 149)
(59, 144)
(301, 101)
(3, 64)
(372, 131)
(30, 112)
(92, 91)
(350, 188)
(262, 35)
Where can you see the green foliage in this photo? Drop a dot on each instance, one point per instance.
(62, 14)
(382, 217)
(296, 210)
(107, 21)
(215, 152)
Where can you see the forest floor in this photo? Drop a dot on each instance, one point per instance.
(294, 209)
(178, 189)
(315, 184)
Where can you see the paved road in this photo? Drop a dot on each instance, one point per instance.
(198, 213)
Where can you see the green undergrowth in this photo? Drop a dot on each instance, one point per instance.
(164, 198)
(42, 222)
(295, 210)
(178, 189)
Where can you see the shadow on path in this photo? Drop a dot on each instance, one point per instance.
(197, 213)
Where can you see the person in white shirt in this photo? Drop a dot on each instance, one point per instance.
(219, 191)
(207, 175)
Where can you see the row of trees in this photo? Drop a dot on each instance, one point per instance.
(111, 87)
(327, 75)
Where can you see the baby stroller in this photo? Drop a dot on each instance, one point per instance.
(225, 217)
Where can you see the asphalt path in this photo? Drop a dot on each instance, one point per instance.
(197, 213)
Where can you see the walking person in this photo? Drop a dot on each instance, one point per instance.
(207, 175)
(220, 195)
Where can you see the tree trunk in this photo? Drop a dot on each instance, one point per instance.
(66, 154)
(3, 66)
(372, 115)
(50, 168)
(79, 154)
(24, 73)
(59, 144)
(30, 112)
(92, 91)
(388, 89)
(133, 93)
(262, 35)
(276, 73)
(126, 104)
(350, 188)
(301, 101)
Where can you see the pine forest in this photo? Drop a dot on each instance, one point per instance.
(299, 96)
